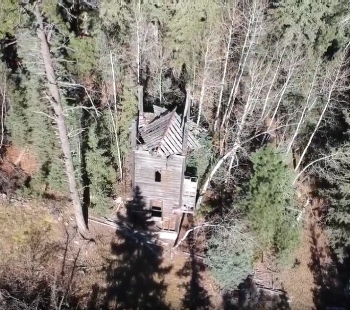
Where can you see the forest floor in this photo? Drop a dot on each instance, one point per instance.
(312, 281)
(178, 277)
(298, 282)
(114, 267)
(101, 272)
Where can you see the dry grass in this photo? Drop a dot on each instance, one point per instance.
(29, 242)
(27, 229)
(299, 282)
(177, 280)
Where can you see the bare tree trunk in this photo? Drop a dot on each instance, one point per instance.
(329, 99)
(284, 88)
(272, 84)
(205, 186)
(301, 120)
(254, 28)
(114, 120)
(336, 81)
(232, 152)
(138, 56)
(3, 112)
(203, 86)
(56, 103)
(252, 35)
(228, 47)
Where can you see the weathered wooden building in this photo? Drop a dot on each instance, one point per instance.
(161, 140)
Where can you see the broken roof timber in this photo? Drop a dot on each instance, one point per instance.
(164, 134)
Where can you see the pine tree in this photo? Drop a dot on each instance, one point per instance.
(42, 60)
(313, 25)
(335, 172)
(82, 52)
(100, 166)
(270, 195)
(10, 17)
(230, 256)
(186, 32)
(127, 110)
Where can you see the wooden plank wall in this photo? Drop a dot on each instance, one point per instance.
(169, 189)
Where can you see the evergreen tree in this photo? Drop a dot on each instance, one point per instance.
(127, 111)
(82, 52)
(335, 171)
(100, 166)
(30, 122)
(186, 32)
(316, 26)
(270, 195)
(230, 256)
(10, 11)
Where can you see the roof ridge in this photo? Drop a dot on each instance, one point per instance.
(173, 112)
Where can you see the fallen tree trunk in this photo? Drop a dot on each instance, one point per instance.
(56, 103)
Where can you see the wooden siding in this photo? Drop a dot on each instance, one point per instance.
(169, 189)
(189, 194)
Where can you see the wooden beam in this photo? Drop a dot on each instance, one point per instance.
(140, 102)
(185, 126)
(182, 180)
(133, 134)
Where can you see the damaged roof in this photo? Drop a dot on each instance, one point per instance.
(164, 134)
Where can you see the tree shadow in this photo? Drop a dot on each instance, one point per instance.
(249, 296)
(196, 296)
(8, 52)
(331, 278)
(135, 277)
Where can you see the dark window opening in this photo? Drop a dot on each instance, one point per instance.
(158, 176)
(156, 211)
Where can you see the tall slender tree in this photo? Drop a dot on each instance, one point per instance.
(55, 101)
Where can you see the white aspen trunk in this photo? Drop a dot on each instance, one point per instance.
(56, 103)
(329, 98)
(160, 86)
(232, 153)
(271, 85)
(312, 163)
(228, 47)
(236, 82)
(203, 86)
(284, 88)
(303, 112)
(249, 107)
(212, 173)
(234, 89)
(114, 119)
(138, 56)
(3, 112)
(254, 25)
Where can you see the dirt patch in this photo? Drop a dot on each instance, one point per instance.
(189, 284)
(22, 158)
(299, 281)
(311, 258)
(178, 279)
(114, 271)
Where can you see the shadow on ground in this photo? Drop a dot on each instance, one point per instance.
(331, 277)
(248, 297)
(135, 277)
(196, 296)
